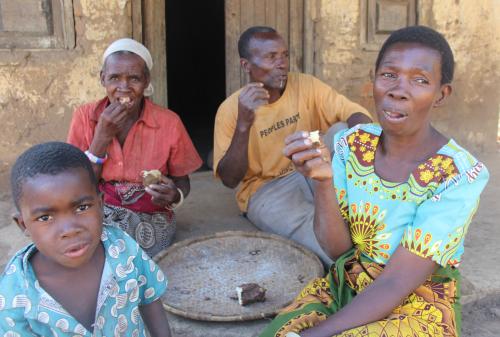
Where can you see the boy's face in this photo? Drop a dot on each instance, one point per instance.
(407, 86)
(63, 215)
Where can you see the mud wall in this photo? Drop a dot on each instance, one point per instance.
(40, 88)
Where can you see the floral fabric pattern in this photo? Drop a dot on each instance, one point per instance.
(428, 311)
(429, 214)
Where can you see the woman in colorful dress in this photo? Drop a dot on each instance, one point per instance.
(396, 215)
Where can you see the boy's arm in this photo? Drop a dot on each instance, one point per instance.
(150, 293)
(155, 318)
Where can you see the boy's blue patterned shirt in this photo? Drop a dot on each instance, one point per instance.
(130, 279)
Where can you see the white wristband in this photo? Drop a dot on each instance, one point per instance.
(292, 334)
(94, 159)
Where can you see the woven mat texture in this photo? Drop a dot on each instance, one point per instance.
(204, 272)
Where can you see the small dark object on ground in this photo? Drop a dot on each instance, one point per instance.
(249, 293)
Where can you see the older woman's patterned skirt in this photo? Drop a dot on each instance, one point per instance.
(153, 231)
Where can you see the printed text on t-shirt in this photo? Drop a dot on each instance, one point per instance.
(279, 124)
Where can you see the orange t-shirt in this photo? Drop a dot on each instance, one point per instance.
(157, 140)
(306, 104)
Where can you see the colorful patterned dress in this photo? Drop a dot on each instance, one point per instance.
(429, 214)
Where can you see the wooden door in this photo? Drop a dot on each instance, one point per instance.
(289, 17)
(293, 19)
(148, 27)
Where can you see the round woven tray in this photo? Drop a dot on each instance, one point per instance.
(203, 274)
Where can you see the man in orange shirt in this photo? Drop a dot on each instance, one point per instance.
(250, 130)
(124, 134)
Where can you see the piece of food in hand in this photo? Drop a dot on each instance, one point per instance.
(124, 100)
(315, 138)
(151, 177)
(250, 293)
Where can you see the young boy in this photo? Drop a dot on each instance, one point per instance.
(77, 278)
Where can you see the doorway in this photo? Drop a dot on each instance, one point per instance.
(196, 67)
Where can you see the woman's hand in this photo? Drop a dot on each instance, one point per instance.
(165, 193)
(310, 161)
(111, 121)
(314, 162)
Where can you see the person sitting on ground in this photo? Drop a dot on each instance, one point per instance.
(78, 277)
(125, 134)
(392, 209)
(251, 126)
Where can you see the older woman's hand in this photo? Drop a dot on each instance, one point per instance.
(165, 193)
(309, 160)
(112, 120)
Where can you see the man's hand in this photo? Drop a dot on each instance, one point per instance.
(251, 98)
(309, 161)
(165, 193)
(234, 164)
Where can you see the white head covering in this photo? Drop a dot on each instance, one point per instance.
(135, 47)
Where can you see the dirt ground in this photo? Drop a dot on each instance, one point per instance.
(211, 208)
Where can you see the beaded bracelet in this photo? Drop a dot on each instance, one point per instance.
(173, 206)
(94, 159)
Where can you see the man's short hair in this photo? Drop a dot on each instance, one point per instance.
(50, 158)
(427, 37)
(244, 41)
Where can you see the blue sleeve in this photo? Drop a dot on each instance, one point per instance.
(340, 156)
(13, 303)
(441, 222)
(152, 280)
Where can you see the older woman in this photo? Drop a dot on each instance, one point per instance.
(123, 135)
(392, 209)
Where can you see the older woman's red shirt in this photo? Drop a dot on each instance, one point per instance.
(158, 140)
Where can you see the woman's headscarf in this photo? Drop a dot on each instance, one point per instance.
(135, 47)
